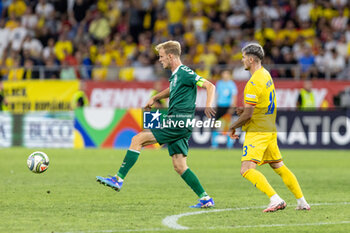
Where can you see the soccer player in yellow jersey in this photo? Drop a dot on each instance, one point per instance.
(258, 118)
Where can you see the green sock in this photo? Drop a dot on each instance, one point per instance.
(129, 161)
(191, 179)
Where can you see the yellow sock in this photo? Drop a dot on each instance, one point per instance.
(290, 180)
(260, 181)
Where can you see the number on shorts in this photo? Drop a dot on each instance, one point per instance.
(245, 150)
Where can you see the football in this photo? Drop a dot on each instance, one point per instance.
(38, 162)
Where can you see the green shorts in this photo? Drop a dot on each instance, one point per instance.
(175, 138)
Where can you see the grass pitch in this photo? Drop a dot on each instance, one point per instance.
(66, 198)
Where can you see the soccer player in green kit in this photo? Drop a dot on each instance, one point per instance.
(182, 93)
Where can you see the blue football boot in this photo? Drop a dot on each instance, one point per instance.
(204, 204)
(111, 181)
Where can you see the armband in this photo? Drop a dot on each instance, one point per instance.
(200, 82)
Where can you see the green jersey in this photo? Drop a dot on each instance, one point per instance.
(183, 91)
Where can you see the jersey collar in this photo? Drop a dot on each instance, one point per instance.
(177, 68)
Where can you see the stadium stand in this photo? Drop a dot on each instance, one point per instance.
(114, 39)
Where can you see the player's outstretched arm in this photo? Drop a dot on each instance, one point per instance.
(209, 110)
(161, 95)
(243, 118)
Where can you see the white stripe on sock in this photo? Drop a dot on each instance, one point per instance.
(134, 151)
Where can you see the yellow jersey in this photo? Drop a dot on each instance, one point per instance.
(260, 91)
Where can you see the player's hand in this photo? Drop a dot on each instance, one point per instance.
(233, 134)
(231, 111)
(209, 112)
(149, 105)
(239, 110)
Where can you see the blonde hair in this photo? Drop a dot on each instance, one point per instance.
(170, 47)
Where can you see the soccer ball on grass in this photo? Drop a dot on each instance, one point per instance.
(38, 162)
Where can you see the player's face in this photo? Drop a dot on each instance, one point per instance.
(245, 61)
(164, 59)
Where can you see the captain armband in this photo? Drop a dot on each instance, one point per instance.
(200, 81)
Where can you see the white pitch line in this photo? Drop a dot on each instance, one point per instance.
(171, 221)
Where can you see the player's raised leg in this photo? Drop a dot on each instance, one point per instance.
(292, 183)
(140, 140)
(180, 166)
(249, 172)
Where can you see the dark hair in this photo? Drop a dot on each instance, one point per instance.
(254, 49)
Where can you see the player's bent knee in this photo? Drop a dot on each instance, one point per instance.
(136, 140)
(243, 170)
(276, 165)
(180, 169)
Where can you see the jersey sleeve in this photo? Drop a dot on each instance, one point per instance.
(191, 78)
(251, 94)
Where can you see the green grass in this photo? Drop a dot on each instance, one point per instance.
(152, 191)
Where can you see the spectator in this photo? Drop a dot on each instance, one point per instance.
(143, 71)
(208, 58)
(135, 19)
(85, 64)
(321, 63)
(339, 22)
(307, 61)
(29, 72)
(29, 20)
(239, 72)
(16, 71)
(99, 28)
(200, 24)
(126, 73)
(203, 71)
(335, 63)
(33, 45)
(303, 11)
(218, 33)
(44, 9)
(261, 14)
(49, 50)
(175, 11)
(63, 46)
(78, 13)
(67, 72)
(17, 36)
(18, 7)
(99, 73)
(51, 69)
(290, 62)
(81, 37)
(342, 47)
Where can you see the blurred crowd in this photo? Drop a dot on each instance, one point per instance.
(115, 39)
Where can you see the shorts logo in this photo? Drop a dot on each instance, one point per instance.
(151, 120)
(251, 146)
